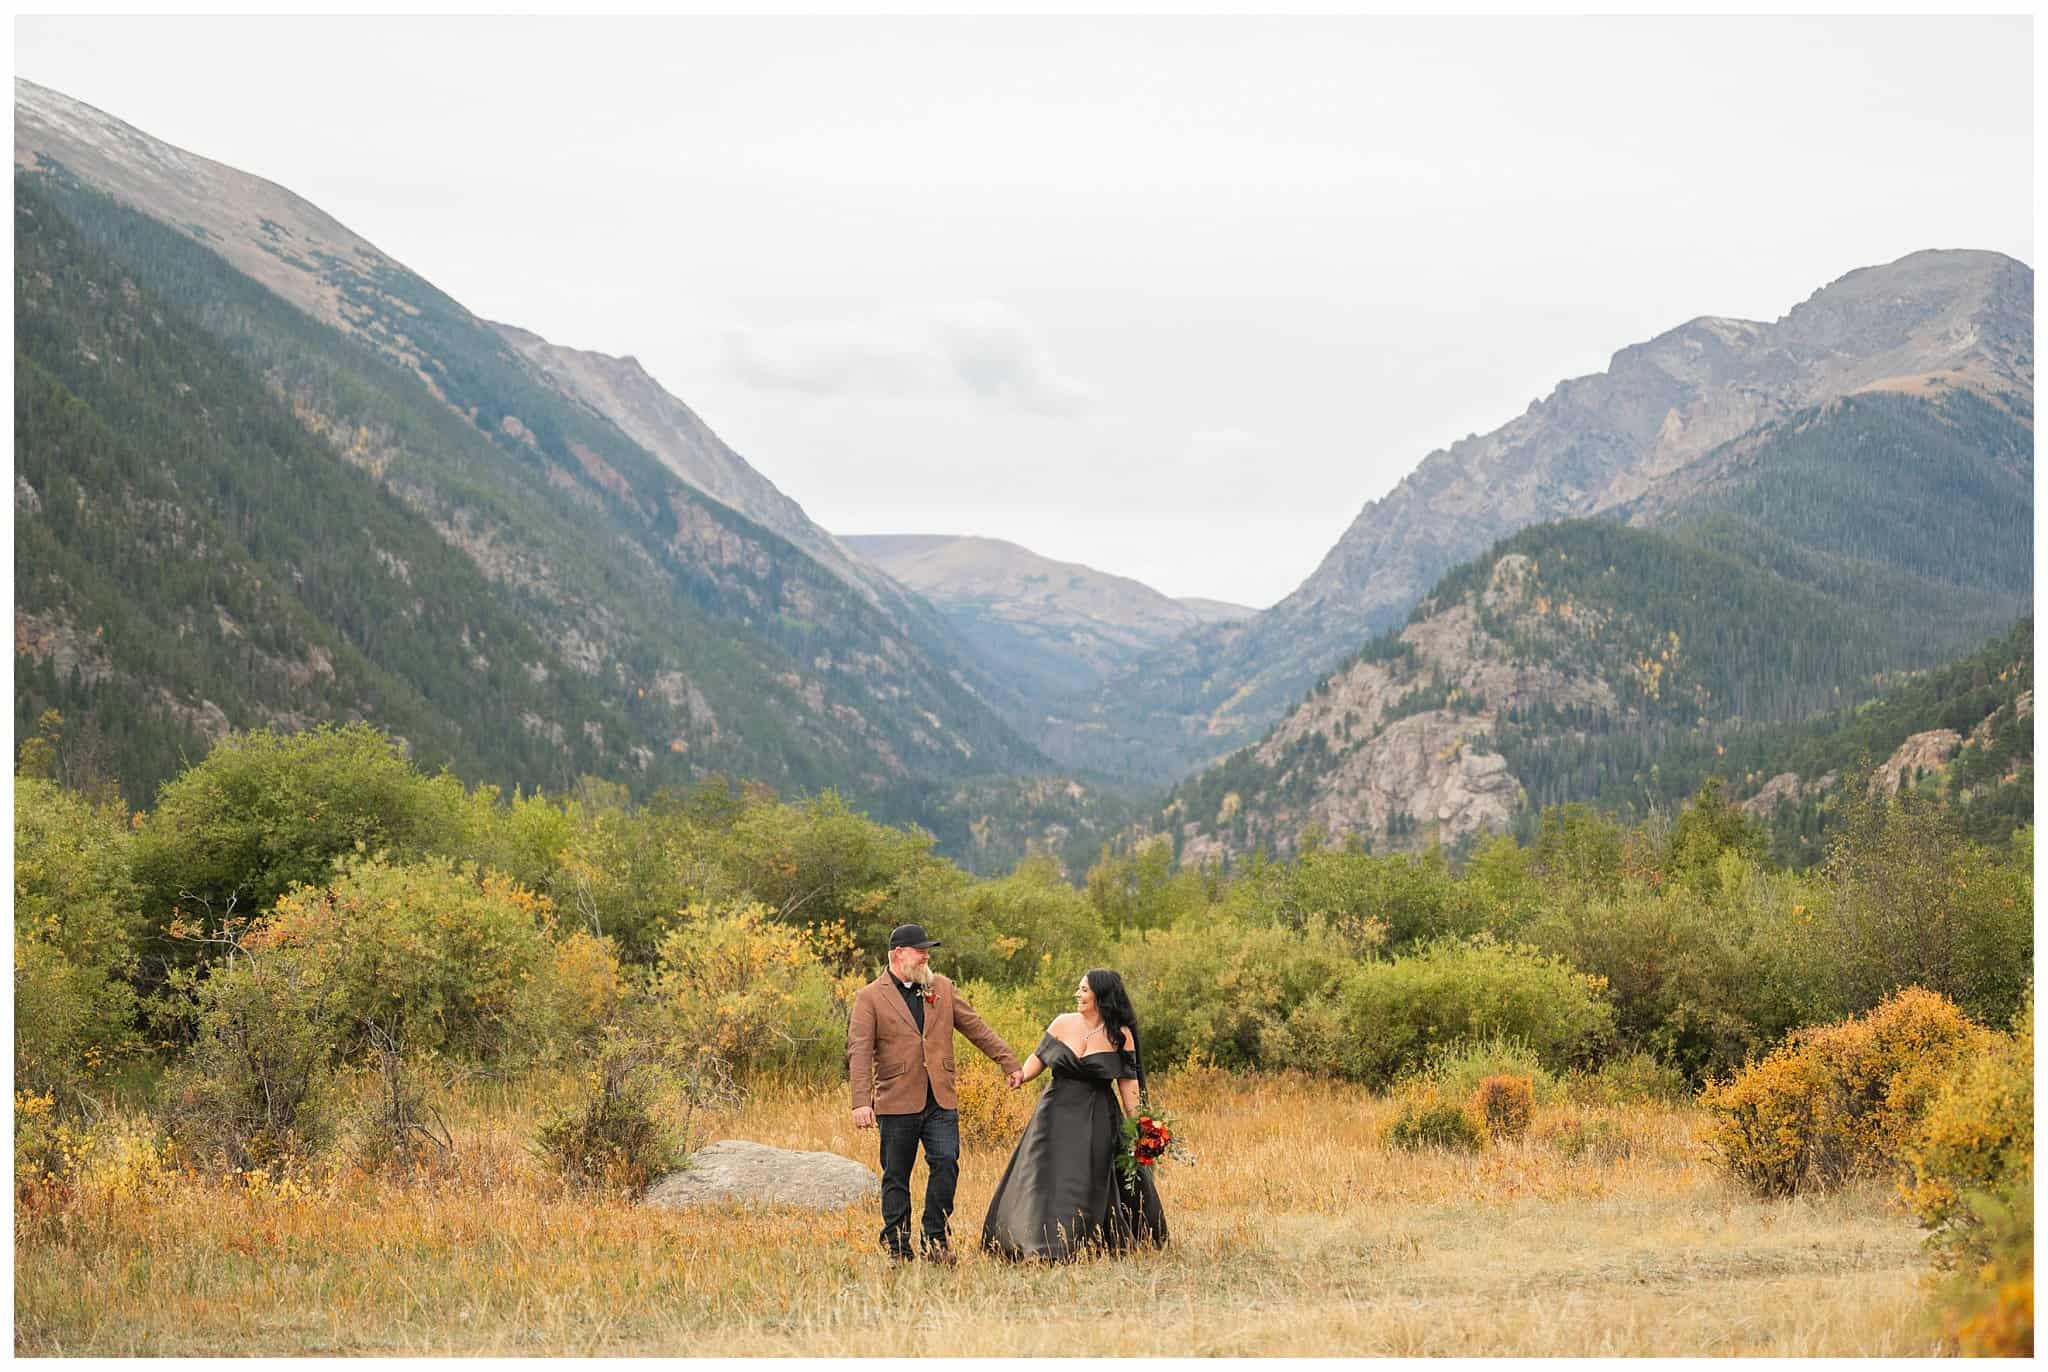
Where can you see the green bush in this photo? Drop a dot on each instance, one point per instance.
(265, 811)
(1428, 1119)
(1634, 1078)
(1399, 1013)
(1909, 903)
(1017, 928)
(1693, 979)
(1238, 995)
(1394, 901)
(435, 957)
(255, 1087)
(75, 935)
(1459, 1067)
(823, 862)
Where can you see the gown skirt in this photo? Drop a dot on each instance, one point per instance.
(1061, 1195)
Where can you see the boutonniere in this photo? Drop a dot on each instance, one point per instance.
(930, 994)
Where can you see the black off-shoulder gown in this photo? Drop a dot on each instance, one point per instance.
(1061, 1193)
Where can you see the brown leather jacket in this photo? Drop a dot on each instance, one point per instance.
(889, 1063)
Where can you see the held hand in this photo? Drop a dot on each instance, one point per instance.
(1016, 1079)
(864, 1117)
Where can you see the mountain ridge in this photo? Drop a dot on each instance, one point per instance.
(1956, 320)
(714, 642)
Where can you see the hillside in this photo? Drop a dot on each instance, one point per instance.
(1587, 660)
(267, 475)
(1048, 627)
(1637, 437)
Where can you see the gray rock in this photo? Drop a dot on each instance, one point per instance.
(756, 1174)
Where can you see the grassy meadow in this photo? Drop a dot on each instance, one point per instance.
(1295, 1231)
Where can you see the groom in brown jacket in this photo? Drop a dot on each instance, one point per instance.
(899, 1058)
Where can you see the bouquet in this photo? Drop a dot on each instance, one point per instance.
(1147, 1138)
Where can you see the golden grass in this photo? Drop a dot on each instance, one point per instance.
(1295, 1232)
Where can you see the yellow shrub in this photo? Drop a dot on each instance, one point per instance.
(991, 1114)
(1978, 1133)
(756, 993)
(586, 983)
(1507, 1104)
(1839, 1100)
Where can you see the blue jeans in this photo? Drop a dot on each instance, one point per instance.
(938, 1129)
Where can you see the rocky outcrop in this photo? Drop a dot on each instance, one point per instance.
(737, 1171)
(1923, 752)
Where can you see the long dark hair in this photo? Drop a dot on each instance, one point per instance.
(1113, 1003)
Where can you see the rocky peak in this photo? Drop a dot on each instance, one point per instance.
(1601, 442)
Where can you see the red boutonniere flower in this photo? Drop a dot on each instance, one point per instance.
(931, 997)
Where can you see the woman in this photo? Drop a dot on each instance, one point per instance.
(1061, 1193)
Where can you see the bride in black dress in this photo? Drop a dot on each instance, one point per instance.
(1062, 1194)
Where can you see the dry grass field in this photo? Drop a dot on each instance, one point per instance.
(1295, 1232)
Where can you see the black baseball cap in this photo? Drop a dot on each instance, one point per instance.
(910, 936)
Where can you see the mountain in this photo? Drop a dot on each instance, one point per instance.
(1634, 438)
(265, 474)
(619, 389)
(1048, 627)
(1589, 660)
(1217, 611)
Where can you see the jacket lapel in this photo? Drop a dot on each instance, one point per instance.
(887, 981)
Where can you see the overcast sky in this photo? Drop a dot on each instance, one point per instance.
(1170, 297)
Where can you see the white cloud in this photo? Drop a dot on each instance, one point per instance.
(979, 348)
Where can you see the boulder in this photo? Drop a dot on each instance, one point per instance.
(756, 1174)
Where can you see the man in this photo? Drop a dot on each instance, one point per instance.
(899, 1050)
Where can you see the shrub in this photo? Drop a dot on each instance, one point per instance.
(1011, 930)
(1506, 1104)
(588, 986)
(75, 931)
(1977, 1137)
(1429, 1119)
(1988, 1311)
(253, 1089)
(1691, 979)
(616, 1136)
(1238, 995)
(265, 811)
(1393, 901)
(1840, 1100)
(1596, 1137)
(825, 862)
(754, 992)
(990, 1112)
(1629, 1079)
(1908, 902)
(1459, 1068)
(1398, 1013)
(436, 958)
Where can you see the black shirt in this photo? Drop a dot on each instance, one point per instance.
(914, 998)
